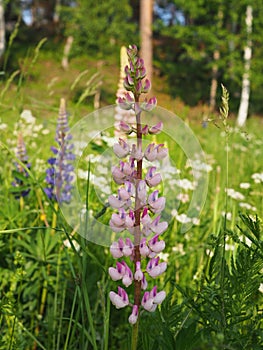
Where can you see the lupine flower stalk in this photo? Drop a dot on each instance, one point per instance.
(21, 154)
(138, 207)
(59, 174)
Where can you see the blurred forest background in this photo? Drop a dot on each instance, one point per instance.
(195, 45)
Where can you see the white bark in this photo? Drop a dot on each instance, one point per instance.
(244, 102)
(146, 18)
(122, 114)
(57, 11)
(216, 57)
(66, 52)
(2, 29)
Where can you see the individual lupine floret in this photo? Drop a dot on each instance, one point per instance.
(124, 195)
(156, 204)
(60, 173)
(134, 315)
(125, 171)
(151, 299)
(144, 249)
(121, 221)
(154, 268)
(151, 178)
(120, 249)
(155, 245)
(121, 272)
(157, 226)
(138, 276)
(136, 153)
(121, 299)
(121, 149)
(141, 192)
(153, 152)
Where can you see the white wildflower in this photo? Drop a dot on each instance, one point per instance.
(244, 185)
(257, 177)
(209, 252)
(3, 126)
(245, 205)
(183, 218)
(27, 116)
(185, 184)
(67, 244)
(196, 221)
(234, 194)
(228, 215)
(229, 247)
(183, 197)
(164, 256)
(179, 248)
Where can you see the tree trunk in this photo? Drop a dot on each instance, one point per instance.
(146, 18)
(214, 81)
(2, 29)
(67, 48)
(244, 102)
(57, 11)
(216, 56)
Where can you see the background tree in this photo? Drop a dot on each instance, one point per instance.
(2, 29)
(100, 26)
(244, 102)
(146, 18)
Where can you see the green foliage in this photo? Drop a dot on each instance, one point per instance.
(54, 285)
(98, 26)
(208, 26)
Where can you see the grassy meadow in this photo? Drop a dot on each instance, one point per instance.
(54, 284)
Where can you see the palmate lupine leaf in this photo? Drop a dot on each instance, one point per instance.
(255, 226)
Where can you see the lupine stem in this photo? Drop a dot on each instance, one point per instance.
(137, 234)
(135, 333)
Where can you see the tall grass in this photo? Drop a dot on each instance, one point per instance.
(54, 284)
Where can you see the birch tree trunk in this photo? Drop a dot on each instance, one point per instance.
(146, 18)
(214, 81)
(2, 29)
(244, 102)
(57, 11)
(216, 57)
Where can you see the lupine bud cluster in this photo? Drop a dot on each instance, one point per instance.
(22, 156)
(137, 206)
(59, 175)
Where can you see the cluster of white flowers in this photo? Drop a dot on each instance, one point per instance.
(234, 194)
(257, 177)
(247, 206)
(198, 165)
(185, 184)
(183, 218)
(179, 248)
(3, 126)
(27, 123)
(244, 185)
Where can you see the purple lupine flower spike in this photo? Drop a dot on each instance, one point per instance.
(22, 156)
(137, 208)
(59, 175)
